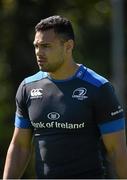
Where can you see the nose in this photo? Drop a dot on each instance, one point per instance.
(37, 51)
(40, 51)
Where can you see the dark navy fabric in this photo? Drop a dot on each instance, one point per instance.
(68, 117)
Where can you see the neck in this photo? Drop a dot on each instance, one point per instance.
(66, 71)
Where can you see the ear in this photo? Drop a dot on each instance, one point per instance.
(69, 45)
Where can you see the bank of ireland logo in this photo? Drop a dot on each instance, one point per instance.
(80, 93)
(53, 116)
(36, 93)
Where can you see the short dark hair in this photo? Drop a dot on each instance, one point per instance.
(61, 25)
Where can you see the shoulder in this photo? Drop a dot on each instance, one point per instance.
(103, 86)
(36, 77)
(94, 78)
(31, 79)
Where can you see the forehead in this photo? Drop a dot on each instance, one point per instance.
(45, 36)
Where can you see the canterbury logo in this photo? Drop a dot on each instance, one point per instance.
(36, 92)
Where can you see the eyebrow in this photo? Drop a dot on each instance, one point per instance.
(42, 43)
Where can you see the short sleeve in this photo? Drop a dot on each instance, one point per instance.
(21, 117)
(108, 111)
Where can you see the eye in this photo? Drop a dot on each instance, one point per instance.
(35, 45)
(46, 45)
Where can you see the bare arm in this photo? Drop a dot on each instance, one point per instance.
(115, 144)
(18, 154)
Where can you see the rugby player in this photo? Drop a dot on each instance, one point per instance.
(68, 109)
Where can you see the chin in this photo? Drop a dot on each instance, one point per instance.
(47, 69)
(43, 69)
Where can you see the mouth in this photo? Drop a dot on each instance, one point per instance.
(41, 61)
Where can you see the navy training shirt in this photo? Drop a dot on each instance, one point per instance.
(68, 117)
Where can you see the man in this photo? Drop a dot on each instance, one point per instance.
(68, 108)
